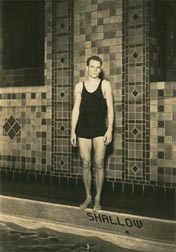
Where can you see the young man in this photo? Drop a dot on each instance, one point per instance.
(92, 102)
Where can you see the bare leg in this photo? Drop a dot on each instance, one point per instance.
(99, 149)
(85, 146)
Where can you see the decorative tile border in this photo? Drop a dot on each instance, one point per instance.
(62, 78)
(135, 91)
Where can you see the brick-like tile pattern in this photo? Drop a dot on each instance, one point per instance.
(163, 134)
(98, 31)
(25, 137)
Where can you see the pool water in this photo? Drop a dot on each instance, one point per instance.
(15, 238)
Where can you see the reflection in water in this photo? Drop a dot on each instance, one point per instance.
(15, 238)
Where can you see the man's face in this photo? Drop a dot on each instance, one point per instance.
(94, 68)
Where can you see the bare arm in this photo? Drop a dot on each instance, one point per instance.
(110, 110)
(75, 112)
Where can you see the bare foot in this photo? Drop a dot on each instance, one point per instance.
(97, 205)
(86, 203)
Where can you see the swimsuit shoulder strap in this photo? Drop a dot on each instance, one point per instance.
(83, 87)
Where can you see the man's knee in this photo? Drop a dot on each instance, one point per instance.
(99, 163)
(86, 163)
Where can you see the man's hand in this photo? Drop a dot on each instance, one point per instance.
(73, 139)
(108, 137)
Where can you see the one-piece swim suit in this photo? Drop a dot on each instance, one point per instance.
(92, 114)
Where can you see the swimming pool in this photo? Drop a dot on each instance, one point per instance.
(28, 225)
(17, 238)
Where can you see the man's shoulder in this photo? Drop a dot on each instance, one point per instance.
(106, 84)
(79, 86)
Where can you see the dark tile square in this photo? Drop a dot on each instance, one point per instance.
(9, 175)
(33, 95)
(160, 155)
(108, 186)
(79, 183)
(159, 192)
(161, 108)
(48, 179)
(160, 139)
(40, 178)
(43, 109)
(149, 190)
(43, 95)
(160, 124)
(43, 160)
(3, 174)
(55, 180)
(33, 160)
(161, 170)
(170, 193)
(31, 177)
(17, 176)
(63, 181)
(160, 92)
(127, 188)
(138, 189)
(23, 96)
(43, 147)
(72, 182)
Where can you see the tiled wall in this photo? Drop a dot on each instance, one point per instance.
(35, 135)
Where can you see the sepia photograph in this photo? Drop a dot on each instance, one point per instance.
(88, 125)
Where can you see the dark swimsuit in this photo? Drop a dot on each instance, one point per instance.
(92, 116)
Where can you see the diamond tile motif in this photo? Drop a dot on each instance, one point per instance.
(62, 60)
(62, 26)
(62, 94)
(62, 128)
(135, 131)
(135, 168)
(135, 55)
(135, 16)
(11, 127)
(62, 162)
(135, 93)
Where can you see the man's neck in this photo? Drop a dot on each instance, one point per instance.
(93, 80)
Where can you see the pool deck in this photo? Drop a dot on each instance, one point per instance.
(135, 231)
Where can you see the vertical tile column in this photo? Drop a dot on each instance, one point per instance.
(62, 81)
(135, 91)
